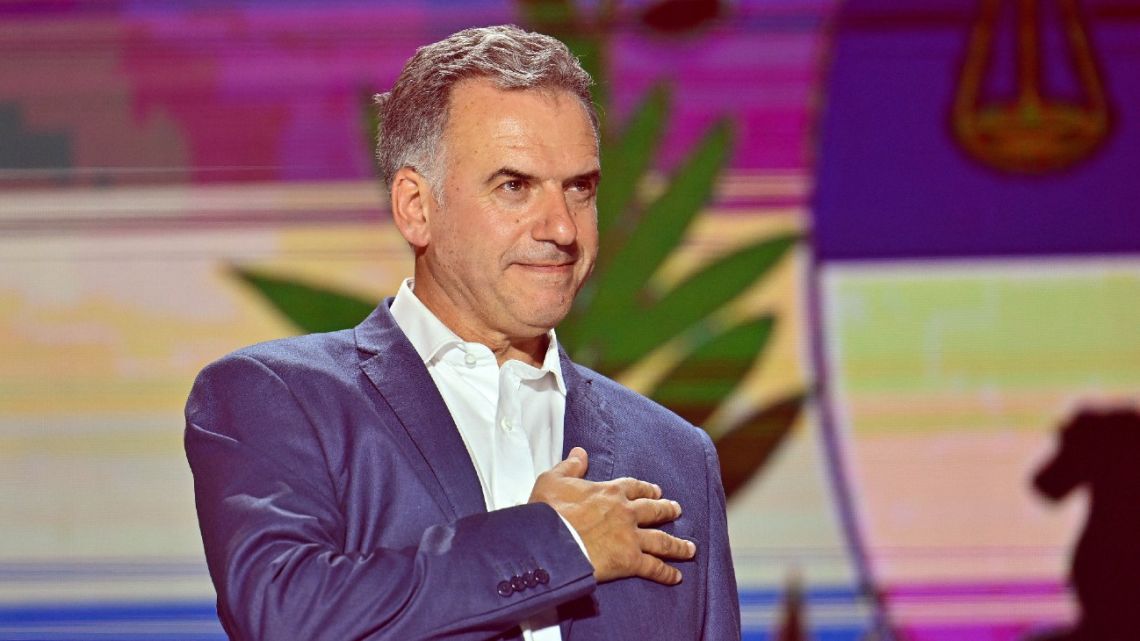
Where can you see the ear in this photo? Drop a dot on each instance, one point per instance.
(412, 206)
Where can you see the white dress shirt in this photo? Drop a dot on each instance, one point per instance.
(510, 417)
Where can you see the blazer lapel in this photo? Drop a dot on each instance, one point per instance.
(395, 369)
(585, 426)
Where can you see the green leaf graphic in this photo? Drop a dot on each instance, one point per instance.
(311, 308)
(697, 385)
(619, 289)
(746, 448)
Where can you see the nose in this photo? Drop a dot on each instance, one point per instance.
(556, 223)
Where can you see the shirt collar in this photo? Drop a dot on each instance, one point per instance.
(430, 337)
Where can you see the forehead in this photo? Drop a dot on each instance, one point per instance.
(485, 121)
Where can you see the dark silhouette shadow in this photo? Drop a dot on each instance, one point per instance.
(793, 626)
(1101, 449)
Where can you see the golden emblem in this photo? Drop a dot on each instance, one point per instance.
(1032, 133)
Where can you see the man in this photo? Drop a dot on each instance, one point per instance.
(402, 480)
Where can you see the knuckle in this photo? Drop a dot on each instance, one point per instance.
(676, 547)
(679, 547)
(662, 511)
(645, 540)
(651, 541)
(627, 512)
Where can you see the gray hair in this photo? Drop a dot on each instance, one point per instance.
(414, 113)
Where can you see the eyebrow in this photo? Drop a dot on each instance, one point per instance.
(507, 172)
(515, 174)
(594, 176)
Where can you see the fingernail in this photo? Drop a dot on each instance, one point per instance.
(692, 547)
(676, 506)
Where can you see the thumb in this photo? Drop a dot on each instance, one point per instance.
(574, 465)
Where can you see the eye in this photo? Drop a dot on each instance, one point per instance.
(583, 186)
(513, 186)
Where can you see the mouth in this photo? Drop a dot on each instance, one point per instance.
(548, 268)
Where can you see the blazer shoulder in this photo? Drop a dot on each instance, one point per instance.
(297, 363)
(305, 351)
(308, 354)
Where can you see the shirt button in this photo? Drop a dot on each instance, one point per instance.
(470, 360)
(506, 424)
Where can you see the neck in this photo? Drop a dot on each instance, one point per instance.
(531, 351)
(527, 349)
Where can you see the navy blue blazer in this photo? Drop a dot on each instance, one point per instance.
(337, 501)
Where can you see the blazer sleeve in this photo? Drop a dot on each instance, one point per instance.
(722, 604)
(274, 533)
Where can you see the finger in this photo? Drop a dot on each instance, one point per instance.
(635, 489)
(574, 465)
(654, 569)
(655, 511)
(665, 546)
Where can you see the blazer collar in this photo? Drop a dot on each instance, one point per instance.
(398, 373)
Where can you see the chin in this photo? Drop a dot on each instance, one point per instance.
(546, 318)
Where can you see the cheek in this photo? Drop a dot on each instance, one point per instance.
(588, 242)
(456, 258)
(483, 254)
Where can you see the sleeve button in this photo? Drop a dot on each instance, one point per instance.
(518, 583)
(505, 589)
(542, 576)
(531, 579)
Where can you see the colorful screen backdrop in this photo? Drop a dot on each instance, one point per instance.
(974, 284)
(947, 311)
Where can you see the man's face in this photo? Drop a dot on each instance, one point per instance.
(516, 232)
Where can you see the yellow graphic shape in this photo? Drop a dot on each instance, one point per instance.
(1033, 133)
